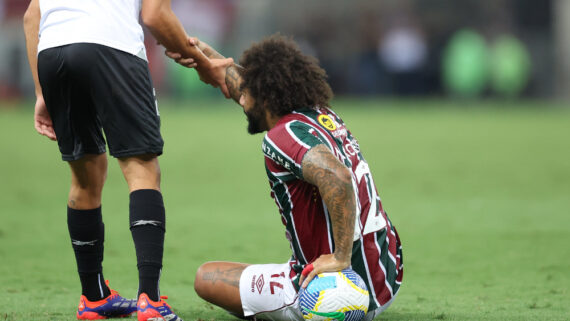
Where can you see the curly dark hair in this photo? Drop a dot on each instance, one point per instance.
(278, 74)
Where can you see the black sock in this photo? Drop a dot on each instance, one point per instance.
(87, 233)
(147, 222)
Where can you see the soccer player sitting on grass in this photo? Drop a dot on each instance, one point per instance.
(320, 182)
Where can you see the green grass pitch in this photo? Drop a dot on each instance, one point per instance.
(479, 192)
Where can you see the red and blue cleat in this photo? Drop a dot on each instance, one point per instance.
(149, 310)
(113, 306)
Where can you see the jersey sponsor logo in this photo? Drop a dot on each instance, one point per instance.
(327, 122)
(271, 153)
(349, 149)
(340, 133)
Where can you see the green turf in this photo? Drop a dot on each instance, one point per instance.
(479, 192)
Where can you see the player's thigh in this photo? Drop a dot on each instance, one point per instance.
(125, 102)
(70, 105)
(267, 292)
(218, 283)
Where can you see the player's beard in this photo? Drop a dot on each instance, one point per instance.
(256, 120)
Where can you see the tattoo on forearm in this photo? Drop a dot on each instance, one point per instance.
(233, 81)
(321, 168)
(211, 53)
(233, 76)
(230, 276)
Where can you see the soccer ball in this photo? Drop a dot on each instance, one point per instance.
(339, 296)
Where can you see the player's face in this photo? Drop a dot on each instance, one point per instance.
(255, 112)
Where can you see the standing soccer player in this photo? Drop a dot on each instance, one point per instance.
(89, 65)
(319, 180)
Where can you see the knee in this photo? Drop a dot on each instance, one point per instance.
(208, 282)
(141, 172)
(88, 176)
(199, 284)
(92, 185)
(89, 173)
(88, 184)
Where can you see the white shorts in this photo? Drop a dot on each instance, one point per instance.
(268, 294)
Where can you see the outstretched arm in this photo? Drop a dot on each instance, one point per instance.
(334, 181)
(232, 79)
(158, 16)
(42, 120)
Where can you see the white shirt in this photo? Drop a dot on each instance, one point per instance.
(112, 23)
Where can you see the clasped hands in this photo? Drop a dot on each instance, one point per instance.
(213, 74)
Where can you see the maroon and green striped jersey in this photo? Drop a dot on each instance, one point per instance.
(377, 252)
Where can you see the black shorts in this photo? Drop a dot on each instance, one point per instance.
(90, 88)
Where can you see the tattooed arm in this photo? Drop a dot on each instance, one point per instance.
(334, 181)
(233, 77)
(164, 25)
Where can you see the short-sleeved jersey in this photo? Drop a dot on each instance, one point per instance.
(112, 23)
(376, 254)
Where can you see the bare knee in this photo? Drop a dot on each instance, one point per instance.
(197, 282)
(88, 176)
(200, 285)
(218, 283)
(141, 172)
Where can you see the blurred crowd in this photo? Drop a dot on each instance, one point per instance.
(422, 47)
(473, 48)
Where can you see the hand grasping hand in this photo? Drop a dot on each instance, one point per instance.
(185, 62)
(214, 74)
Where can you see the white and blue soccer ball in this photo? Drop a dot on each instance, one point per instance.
(339, 296)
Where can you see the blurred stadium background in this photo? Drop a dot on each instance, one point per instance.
(475, 48)
(461, 109)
